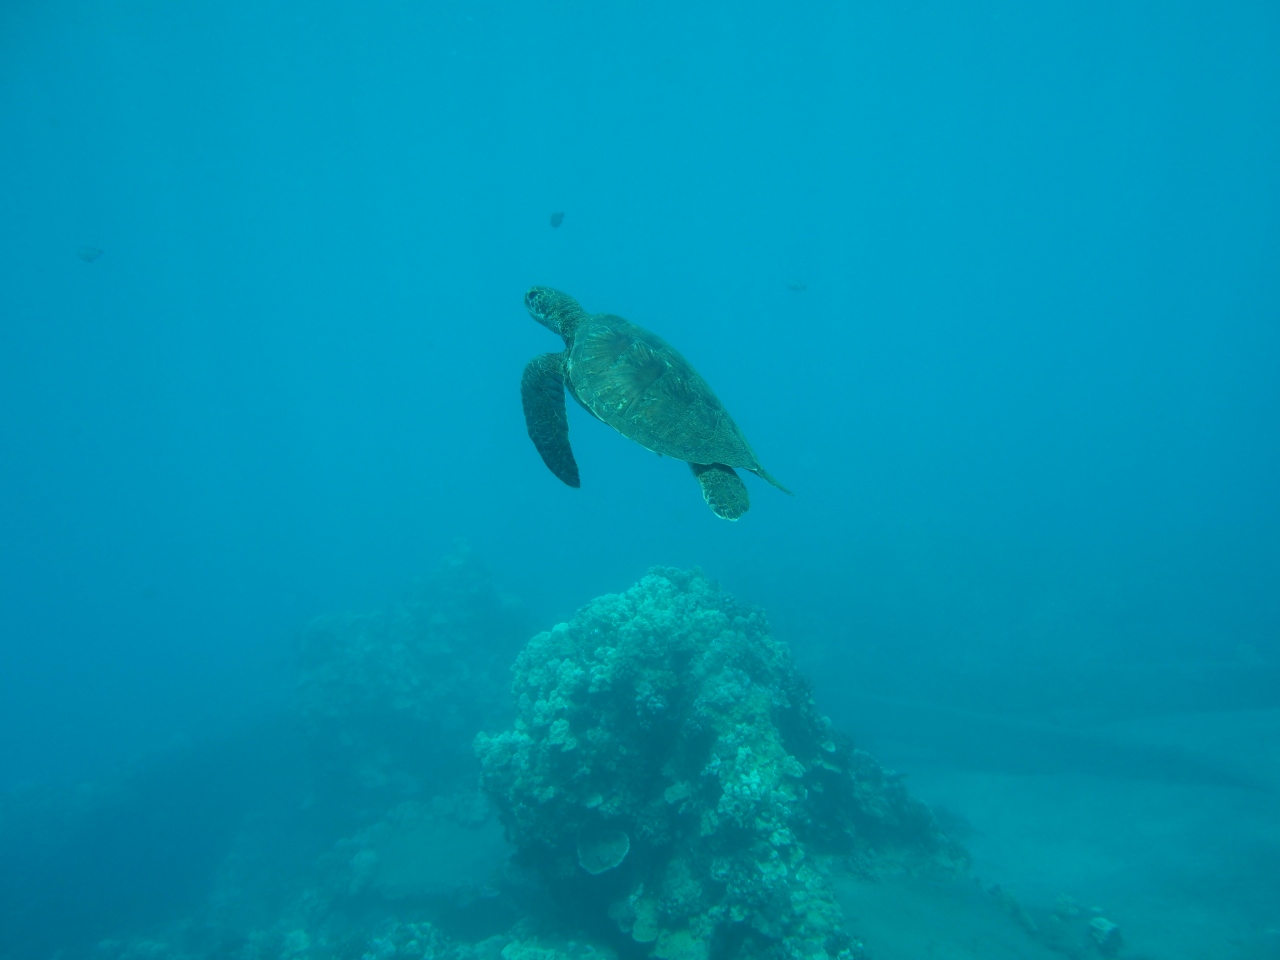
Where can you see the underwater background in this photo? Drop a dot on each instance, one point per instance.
(993, 287)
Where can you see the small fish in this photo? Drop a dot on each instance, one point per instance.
(797, 286)
(557, 218)
(89, 254)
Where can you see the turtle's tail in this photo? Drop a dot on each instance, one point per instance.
(765, 475)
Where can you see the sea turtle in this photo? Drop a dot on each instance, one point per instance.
(638, 384)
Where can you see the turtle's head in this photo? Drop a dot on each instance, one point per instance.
(554, 310)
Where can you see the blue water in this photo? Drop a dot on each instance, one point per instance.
(992, 287)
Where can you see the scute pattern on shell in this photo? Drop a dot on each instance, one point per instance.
(640, 385)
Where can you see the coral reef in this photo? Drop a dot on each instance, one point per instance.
(668, 769)
(396, 696)
(665, 782)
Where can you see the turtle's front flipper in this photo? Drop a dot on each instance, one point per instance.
(542, 391)
(723, 490)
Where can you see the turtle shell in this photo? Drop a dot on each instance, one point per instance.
(641, 386)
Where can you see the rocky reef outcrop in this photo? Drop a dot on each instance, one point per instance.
(670, 778)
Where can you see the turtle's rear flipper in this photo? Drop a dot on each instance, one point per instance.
(723, 490)
(542, 392)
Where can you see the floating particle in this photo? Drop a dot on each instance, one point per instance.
(557, 218)
(89, 254)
